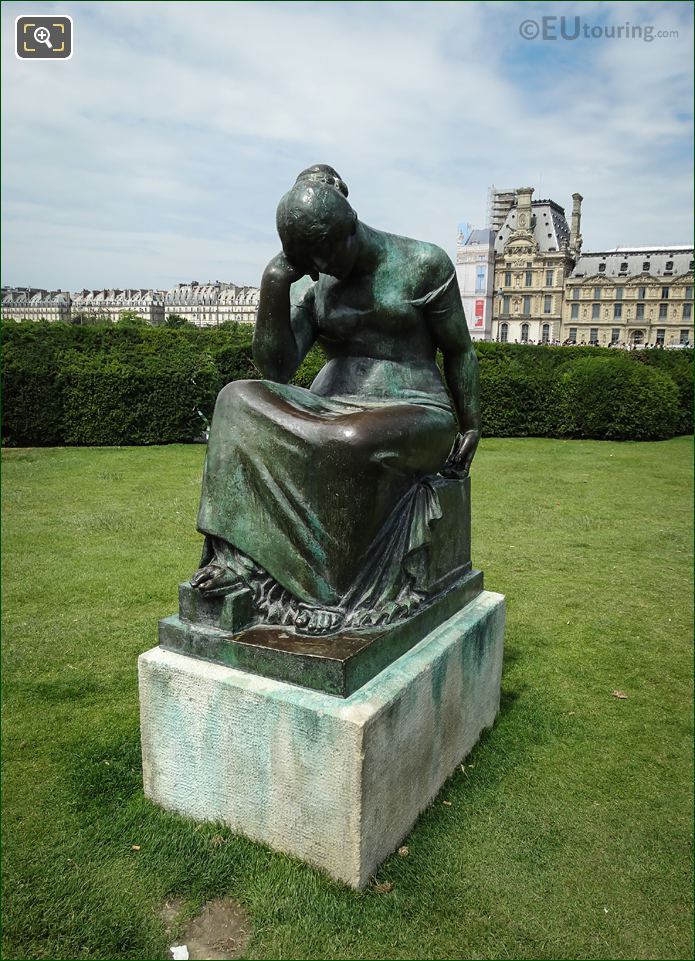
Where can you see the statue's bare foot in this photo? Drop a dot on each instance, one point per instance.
(317, 620)
(215, 579)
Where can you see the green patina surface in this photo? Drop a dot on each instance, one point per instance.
(338, 664)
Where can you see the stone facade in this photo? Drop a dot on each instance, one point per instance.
(547, 291)
(535, 250)
(31, 303)
(205, 305)
(108, 305)
(630, 297)
(209, 305)
(475, 272)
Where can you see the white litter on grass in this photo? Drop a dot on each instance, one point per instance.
(179, 952)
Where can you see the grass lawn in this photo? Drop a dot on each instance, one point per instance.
(568, 836)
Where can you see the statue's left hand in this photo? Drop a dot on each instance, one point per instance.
(459, 463)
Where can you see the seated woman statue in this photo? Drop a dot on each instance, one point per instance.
(317, 500)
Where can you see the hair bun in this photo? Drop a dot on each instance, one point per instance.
(323, 174)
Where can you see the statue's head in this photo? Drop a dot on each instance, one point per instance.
(323, 174)
(317, 226)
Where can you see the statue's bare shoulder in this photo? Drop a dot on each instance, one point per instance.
(428, 265)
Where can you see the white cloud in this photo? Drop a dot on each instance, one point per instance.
(159, 151)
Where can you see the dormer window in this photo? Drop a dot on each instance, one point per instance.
(645, 266)
(669, 267)
(623, 268)
(602, 268)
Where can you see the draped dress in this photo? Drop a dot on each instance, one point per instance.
(326, 488)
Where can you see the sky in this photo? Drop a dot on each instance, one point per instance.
(157, 153)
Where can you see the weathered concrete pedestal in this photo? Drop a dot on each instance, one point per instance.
(337, 783)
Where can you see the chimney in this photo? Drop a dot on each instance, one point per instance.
(523, 208)
(575, 229)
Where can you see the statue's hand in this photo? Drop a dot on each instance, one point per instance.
(284, 269)
(459, 463)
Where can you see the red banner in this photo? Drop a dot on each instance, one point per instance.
(479, 312)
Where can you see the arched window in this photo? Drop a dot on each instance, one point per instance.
(504, 333)
(524, 333)
(545, 335)
(637, 338)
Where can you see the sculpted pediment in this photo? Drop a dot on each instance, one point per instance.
(521, 245)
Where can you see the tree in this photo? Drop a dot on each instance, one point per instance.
(129, 318)
(176, 321)
(89, 318)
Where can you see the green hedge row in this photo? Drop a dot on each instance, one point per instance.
(109, 385)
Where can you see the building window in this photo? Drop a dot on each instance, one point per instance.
(669, 266)
(524, 333)
(687, 311)
(573, 335)
(574, 312)
(593, 335)
(645, 266)
(619, 293)
(623, 267)
(575, 293)
(660, 337)
(529, 263)
(549, 277)
(507, 278)
(547, 304)
(637, 337)
(664, 293)
(480, 280)
(505, 304)
(545, 334)
(642, 293)
(685, 336)
(597, 293)
(527, 305)
(602, 268)
(528, 278)
(617, 311)
(688, 293)
(663, 311)
(595, 311)
(615, 335)
(504, 333)
(640, 312)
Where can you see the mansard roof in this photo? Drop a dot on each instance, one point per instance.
(549, 226)
(626, 262)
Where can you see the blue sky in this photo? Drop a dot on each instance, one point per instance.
(158, 153)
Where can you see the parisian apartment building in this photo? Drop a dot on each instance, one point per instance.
(206, 305)
(524, 278)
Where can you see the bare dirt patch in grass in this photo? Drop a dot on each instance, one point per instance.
(220, 932)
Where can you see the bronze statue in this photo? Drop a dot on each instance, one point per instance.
(320, 501)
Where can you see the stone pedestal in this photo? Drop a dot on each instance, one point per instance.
(335, 782)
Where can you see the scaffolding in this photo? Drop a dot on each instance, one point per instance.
(500, 201)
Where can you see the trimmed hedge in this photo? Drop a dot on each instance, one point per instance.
(153, 402)
(126, 384)
(601, 397)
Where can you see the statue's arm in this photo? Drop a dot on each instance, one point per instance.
(447, 323)
(284, 332)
